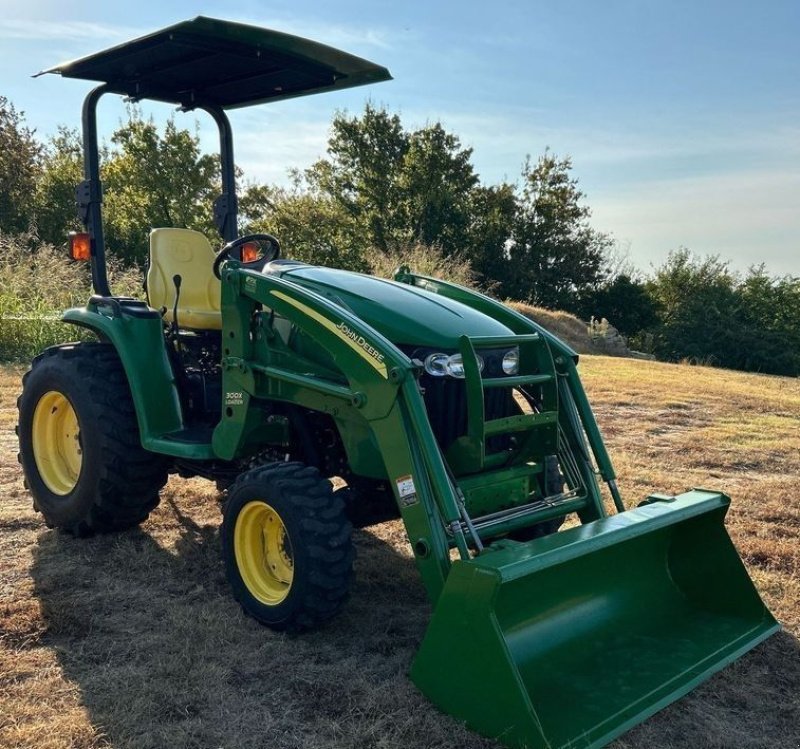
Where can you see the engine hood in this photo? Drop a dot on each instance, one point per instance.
(404, 314)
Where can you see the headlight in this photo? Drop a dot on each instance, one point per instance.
(455, 366)
(436, 364)
(441, 365)
(511, 362)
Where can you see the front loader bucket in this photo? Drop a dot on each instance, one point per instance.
(572, 639)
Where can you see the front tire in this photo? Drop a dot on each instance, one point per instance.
(79, 442)
(287, 546)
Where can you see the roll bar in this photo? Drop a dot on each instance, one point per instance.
(89, 193)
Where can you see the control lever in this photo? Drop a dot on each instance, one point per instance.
(176, 279)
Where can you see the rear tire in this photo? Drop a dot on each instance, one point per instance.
(287, 546)
(79, 442)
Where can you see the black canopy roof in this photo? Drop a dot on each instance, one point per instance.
(211, 62)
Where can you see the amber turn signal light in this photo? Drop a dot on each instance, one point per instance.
(250, 252)
(80, 246)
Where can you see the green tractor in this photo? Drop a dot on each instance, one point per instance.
(430, 401)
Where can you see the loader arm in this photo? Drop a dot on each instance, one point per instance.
(537, 635)
(382, 392)
(381, 389)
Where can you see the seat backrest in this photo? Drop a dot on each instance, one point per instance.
(188, 254)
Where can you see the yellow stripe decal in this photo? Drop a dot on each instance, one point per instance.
(326, 323)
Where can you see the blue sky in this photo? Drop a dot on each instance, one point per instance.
(682, 118)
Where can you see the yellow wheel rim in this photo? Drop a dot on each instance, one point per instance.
(56, 438)
(263, 553)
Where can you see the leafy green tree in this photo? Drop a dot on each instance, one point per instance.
(437, 179)
(382, 188)
(699, 309)
(712, 315)
(62, 170)
(770, 312)
(624, 301)
(152, 180)
(362, 176)
(311, 227)
(554, 254)
(19, 166)
(396, 188)
(491, 215)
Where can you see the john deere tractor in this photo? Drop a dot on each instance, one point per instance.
(430, 401)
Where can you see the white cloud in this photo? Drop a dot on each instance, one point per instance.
(31, 30)
(267, 156)
(339, 36)
(524, 131)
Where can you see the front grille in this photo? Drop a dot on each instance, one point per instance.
(446, 403)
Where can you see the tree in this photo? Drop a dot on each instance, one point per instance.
(152, 180)
(396, 188)
(709, 314)
(362, 175)
(437, 180)
(699, 310)
(149, 180)
(770, 309)
(311, 227)
(624, 301)
(62, 171)
(491, 215)
(554, 253)
(19, 167)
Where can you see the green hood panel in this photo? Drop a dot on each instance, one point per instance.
(402, 313)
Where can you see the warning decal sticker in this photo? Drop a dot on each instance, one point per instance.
(406, 490)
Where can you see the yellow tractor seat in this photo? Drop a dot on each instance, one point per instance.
(188, 254)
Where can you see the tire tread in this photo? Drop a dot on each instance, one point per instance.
(130, 477)
(325, 531)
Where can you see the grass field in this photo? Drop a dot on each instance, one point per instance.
(133, 641)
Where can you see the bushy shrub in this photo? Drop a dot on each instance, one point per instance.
(713, 315)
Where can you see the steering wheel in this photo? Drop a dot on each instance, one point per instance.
(272, 251)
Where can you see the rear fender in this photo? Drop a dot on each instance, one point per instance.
(139, 342)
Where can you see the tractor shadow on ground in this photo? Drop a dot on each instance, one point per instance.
(164, 657)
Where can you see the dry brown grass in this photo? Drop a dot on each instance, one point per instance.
(570, 329)
(424, 260)
(133, 641)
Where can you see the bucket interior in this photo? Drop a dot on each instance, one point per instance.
(598, 639)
